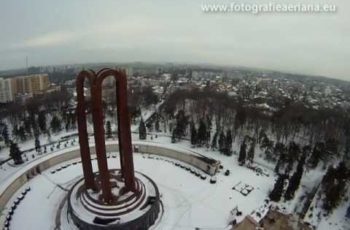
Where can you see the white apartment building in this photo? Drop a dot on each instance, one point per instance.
(5, 90)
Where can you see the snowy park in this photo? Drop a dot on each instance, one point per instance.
(189, 199)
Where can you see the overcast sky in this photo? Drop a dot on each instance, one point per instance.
(78, 31)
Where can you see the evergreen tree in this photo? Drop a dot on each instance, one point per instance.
(306, 151)
(207, 141)
(33, 123)
(265, 142)
(37, 144)
(181, 124)
(222, 142)
(242, 154)
(215, 140)
(36, 132)
(142, 130)
(68, 121)
(251, 152)
(15, 132)
(27, 126)
(262, 136)
(208, 122)
(108, 129)
(55, 124)
(277, 190)
(42, 121)
(331, 146)
(334, 186)
(293, 154)
(279, 149)
(202, 133)
(280, 162)
(317, 154)
(157, 125)
(241, 116)
(173, 136)
(22, 134)
(193, 134)
(269, 149)
(67, 126)
(228, 143)
(269, 156)
(294, 181)
(347, 147)
(49, 140)
(5, 134)
(342, 172)
(73, 120)
(333, 196)
(15, 153)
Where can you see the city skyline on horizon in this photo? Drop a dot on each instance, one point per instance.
(191, 65)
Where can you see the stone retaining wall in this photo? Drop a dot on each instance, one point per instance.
(207, 165)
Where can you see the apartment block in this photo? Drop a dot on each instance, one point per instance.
(6, 94)
(28, 85)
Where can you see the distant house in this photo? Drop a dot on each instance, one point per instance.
(248, 223)
(273, 220)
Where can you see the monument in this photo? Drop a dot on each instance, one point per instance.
(117, 198)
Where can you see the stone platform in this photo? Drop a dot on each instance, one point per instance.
(129, 210)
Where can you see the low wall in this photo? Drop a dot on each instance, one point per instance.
(207, 165)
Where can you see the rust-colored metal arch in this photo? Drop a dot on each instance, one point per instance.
(124, 134)
(83, 135)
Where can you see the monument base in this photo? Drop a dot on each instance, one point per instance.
(129, 210)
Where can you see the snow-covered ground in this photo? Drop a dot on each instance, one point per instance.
(29, 144)
(189, 201)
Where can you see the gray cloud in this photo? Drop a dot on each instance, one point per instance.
(62, 32)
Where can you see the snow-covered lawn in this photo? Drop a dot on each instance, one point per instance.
(188, 200)
(29, 144)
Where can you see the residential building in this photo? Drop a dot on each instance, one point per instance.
(29, 85)
(272, 220)
(6, 94)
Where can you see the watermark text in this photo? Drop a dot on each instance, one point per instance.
(271, 7)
